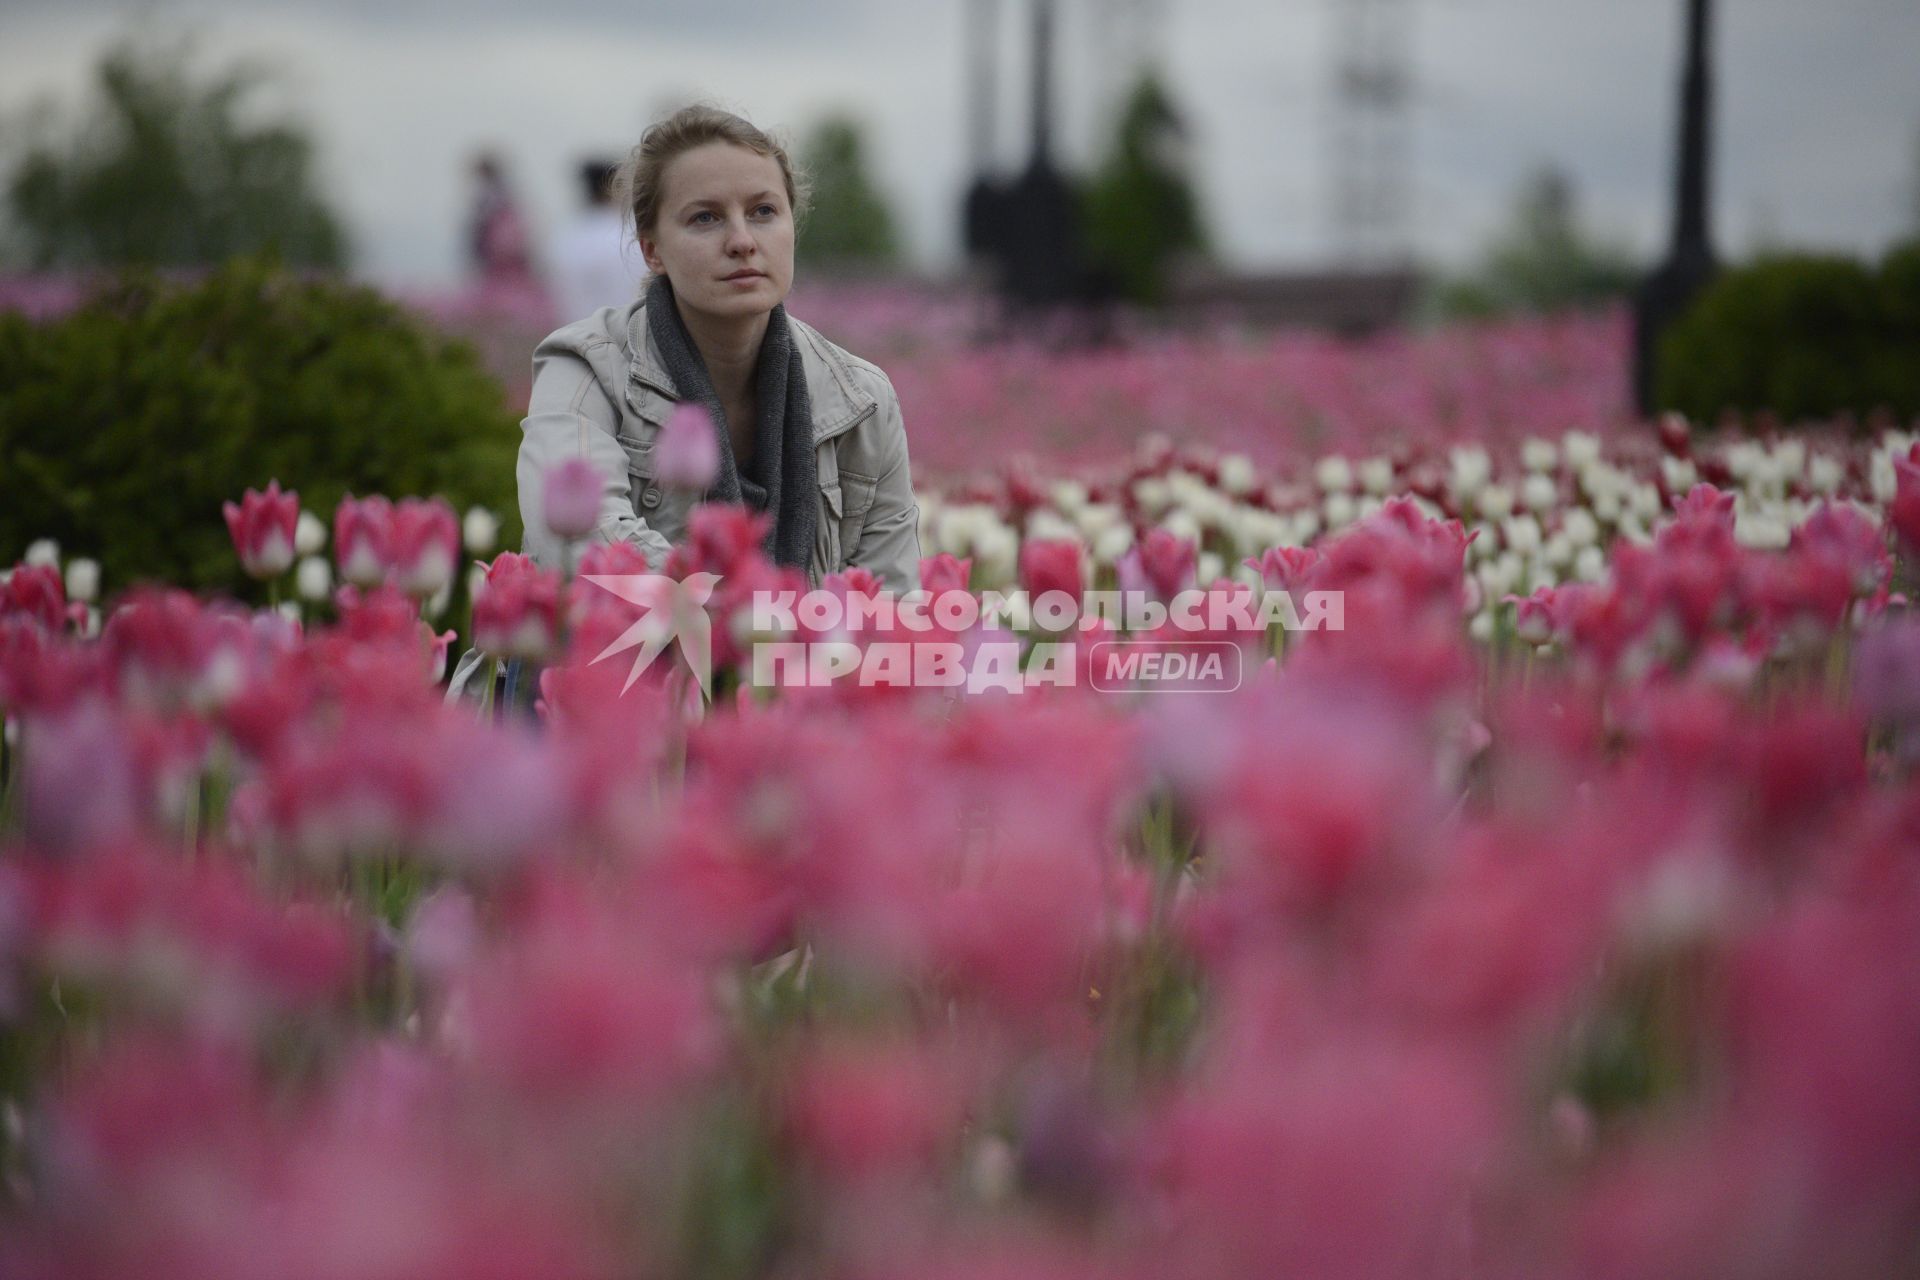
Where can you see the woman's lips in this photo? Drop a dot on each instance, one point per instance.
(745, 277)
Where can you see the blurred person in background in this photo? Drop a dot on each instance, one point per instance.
(806, 433)
(593, 264)
(497, 239)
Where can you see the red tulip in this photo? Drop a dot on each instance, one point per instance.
(35, 593)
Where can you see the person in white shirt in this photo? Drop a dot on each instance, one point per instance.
(593, 263)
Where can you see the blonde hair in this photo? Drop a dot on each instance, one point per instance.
(640, 181)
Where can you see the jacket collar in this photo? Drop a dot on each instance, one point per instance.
(836, 399)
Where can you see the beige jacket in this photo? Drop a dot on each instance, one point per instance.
(601, 392)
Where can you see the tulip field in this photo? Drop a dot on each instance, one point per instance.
(1557, 916)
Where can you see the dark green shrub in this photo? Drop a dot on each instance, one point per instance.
(125, 425)
(1800, 336)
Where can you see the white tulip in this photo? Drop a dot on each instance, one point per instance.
(1333, 473)
(1760, 529)
(309, 534)
(313, 579)
(1580, 528)
(289, 609)
(1539, 455)
(1580, 448)
(479, 530)
(1882, 479)
(1495, 578)
(1339, 510)
(1181, 524)
(1095, 517)
(1644, 502)
(1538, 492)
(1047, 525)
(1494, 501)
(1557, 551)
(476, 581)
(1590, 565)
(1606, 506)
(1679, 473)
(1237, 475)
(1825, 474)
(1068, 495)
(1152, 495)
(42, 553)
(1480, 626)
(1376, 475)
(1306, 527)
(1112, 542)
(83, 579)
(1469, 468)
(1209, 567)
(1522, 534)
(996, 552)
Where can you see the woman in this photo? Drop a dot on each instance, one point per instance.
(807, 432)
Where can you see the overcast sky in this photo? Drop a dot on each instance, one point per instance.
(1817, 133)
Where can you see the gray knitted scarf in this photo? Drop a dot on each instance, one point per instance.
(782, 478)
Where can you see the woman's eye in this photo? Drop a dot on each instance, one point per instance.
(702, 214)
(767, 209)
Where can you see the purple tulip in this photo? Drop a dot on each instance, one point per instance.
(570, 498)
(688, 454)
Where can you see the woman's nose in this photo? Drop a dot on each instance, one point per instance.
(739, 238)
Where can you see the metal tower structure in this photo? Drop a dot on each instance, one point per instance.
(1129, 40)
(1370, 141)
(1690, 262)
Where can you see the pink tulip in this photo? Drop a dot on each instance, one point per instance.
(687, 455)
(1285, 568)
(570, 496)
(424, 546)
(517, 611)
(944, 573)
(262, 528)
(1904, 514)
(363, 539)
(1534, 616)
(1050, 565)
(1160, 565)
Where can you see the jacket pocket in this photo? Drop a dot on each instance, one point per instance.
(857, 499)
(827, 543)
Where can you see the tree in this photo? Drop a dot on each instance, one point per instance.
(1141, 211)
(850, 224)
(1543, 260)
(161, 171)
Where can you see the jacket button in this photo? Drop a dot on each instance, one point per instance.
(651, 498)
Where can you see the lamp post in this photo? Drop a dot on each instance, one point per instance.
(1690, 262)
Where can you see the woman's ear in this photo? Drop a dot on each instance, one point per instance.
(650, 250)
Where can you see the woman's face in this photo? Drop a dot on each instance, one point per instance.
(724, 236)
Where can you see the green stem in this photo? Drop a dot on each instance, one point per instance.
(486, 692)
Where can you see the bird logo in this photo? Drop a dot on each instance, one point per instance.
(675, 609)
